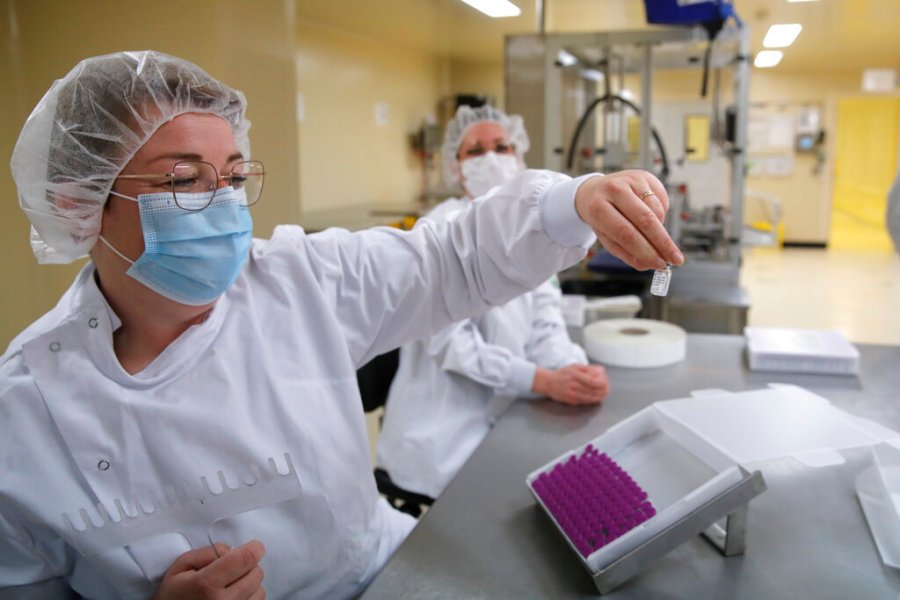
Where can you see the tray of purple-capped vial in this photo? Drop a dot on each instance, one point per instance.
(640, 490)
(593, 499)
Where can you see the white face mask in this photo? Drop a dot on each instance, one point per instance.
(482, 173)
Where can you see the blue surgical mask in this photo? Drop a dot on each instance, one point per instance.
(191, 257)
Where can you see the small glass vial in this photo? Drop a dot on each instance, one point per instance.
(660, 284)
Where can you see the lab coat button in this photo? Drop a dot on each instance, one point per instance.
(54, 346)
(93, 322)
(103, 465)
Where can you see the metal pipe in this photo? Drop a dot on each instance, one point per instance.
(646, 158)
(738, 153)
(539, 11)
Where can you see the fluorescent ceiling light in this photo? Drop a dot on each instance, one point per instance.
(767, 58)
(495, 8)
(781, 36)
(592, 74)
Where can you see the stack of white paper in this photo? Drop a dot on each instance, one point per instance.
(801, 351)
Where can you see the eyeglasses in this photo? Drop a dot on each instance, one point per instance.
(479, 150)
(201, 177)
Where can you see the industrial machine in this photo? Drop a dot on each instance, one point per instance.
(590, 105)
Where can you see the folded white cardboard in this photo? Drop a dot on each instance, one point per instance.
(878, 489)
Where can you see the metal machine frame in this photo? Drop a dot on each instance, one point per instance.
(732, 506)
(537, 87)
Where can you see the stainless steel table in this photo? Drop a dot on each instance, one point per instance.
(807, 536)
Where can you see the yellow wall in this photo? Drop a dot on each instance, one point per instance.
(467, 77)
(590, 15)
(806, 197)
(346, 159)
(249, 44)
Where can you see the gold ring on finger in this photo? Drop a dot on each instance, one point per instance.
(647, 193)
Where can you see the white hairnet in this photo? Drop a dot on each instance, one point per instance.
(89, 125)
(465, 117)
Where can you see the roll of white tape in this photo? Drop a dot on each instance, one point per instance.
(636, 343)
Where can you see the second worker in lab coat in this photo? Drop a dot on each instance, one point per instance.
(449, 387)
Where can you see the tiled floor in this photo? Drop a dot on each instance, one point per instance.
(856, 292)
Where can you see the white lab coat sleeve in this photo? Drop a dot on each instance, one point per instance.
(893, 213)
(24, 571)
(461, 349)
(56, 588)
(389, 287)
(549, 345)
(30, 566)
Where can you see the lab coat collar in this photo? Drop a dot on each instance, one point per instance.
(90, 322)
(90, 396)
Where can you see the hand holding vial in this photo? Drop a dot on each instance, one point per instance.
(626, 211)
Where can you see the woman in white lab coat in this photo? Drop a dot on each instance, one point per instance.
(185, 346)
(449, 387)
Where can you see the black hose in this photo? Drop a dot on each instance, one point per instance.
(706, 57)
(570, 156)
(712, 30)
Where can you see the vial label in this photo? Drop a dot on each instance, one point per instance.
(660, 284)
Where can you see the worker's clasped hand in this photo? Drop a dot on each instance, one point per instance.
(575, 384)
(221, 574)
(626, 211)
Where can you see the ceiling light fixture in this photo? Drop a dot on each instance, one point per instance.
(768, 58)
(782, 36)
(495, 8)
